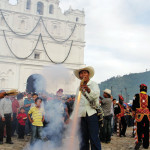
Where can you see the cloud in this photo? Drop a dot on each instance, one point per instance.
(117, 35)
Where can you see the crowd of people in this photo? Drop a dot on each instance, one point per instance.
(120, 115)
(26, 114)
(18, 112)
(117, 116)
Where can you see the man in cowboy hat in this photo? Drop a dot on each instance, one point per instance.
(2, 94)
(119, 112)
(89, 121)
(106, 103)
(8, 93)
(141, 111)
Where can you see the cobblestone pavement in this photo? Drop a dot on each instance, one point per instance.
(117, 143)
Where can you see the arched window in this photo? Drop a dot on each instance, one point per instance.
(77, 19)
(28, 5)
(40, 8)
(3, 82)
(51, 9)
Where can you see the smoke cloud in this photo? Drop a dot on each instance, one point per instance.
(55, 77)
(56, 135)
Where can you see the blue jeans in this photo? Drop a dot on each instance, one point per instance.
(89, 131)
(28, 126)
(36, 133)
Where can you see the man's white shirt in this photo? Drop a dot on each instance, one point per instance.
(84, 106)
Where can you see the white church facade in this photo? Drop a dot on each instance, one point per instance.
(36, 34)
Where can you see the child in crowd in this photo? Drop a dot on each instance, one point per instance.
(34, 96)
(37, 120)
(22, 117)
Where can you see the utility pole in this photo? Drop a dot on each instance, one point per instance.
(126, 93)
(121, 92)
(128, 96)
(111, 91)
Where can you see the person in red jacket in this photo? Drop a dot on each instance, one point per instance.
(21, 123)
(141, 114)
(119, 111)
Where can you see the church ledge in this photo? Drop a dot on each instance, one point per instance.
(32, 37)
(12, 60)
(43, 17)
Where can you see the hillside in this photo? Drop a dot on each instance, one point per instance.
(127, 85)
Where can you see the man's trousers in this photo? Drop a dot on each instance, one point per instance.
(7, 122)
(90, 131)
(143, 129)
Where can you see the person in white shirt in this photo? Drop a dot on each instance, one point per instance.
(89, 127)
(5, 119)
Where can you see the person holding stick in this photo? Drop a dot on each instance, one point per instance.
(89, 127)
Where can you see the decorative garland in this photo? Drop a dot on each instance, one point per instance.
(14, 53)
(16, 32)
(39, 37)
(54, 38)
(49, 56)
(40, 19)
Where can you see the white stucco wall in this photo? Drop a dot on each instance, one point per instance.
(15, 72)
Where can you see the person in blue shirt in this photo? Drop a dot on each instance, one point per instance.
(27, 103)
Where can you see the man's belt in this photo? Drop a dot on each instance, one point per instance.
(142, 111)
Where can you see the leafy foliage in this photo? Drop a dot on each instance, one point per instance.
(127, 85)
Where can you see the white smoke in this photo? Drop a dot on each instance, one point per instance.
(39, 83)
(56, 135)
(55, 77)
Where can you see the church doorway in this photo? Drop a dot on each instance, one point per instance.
(36, 83)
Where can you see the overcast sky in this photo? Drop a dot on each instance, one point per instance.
(117, 35)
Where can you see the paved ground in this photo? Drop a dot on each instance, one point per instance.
(117, 143)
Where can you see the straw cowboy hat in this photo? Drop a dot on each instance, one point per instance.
(107, 91)
(88, 68)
